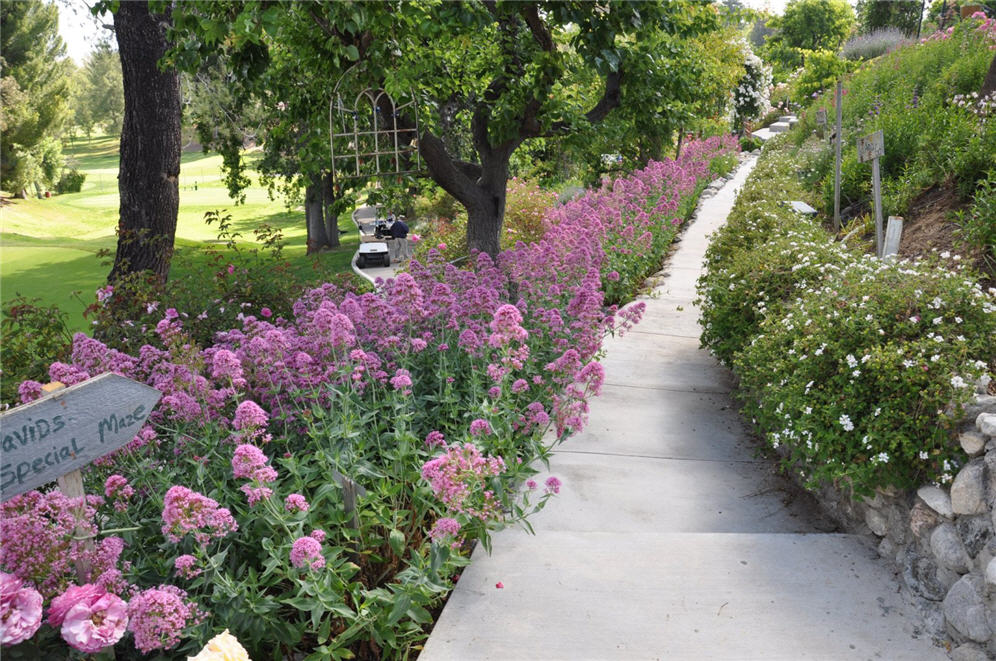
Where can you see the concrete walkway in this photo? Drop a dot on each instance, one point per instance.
(670, 538)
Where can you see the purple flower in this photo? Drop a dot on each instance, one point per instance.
(435, 439)
(480, 427)
(444, 527)
(552, 485)
(185, 566)
(306, 552)
(295, 502)
(249, 415)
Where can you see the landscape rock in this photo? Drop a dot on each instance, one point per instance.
(923, 519)
(986, 422)
(972, 442)
(877, 521)
(947, 547)
(965, 609)
(982, 404)
(920, 573)
(968, 492)
(991, 574)
(887, 549)
(969, 652)
(936, 499)
(974, 531)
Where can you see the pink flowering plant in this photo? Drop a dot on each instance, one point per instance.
(314, 478)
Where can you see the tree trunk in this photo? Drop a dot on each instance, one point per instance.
(989, 84)
(331, 210)
(150, 145)
(314, 217)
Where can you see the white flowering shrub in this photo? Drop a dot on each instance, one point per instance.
(750, 97)
(853, 367)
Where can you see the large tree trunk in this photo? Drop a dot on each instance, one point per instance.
(314, 216)
(989, 84)
(150, 144)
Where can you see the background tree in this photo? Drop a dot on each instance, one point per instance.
(901, 14)
(816, 24)
(34, 87)
(148, 176)
(510, 67)
(103, 90)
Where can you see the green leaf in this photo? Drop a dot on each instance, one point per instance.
(401, 604)
(397, 540)
(352, 53)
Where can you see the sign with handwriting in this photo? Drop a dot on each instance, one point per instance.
(821, 116)
(66, 430)
(871, 146)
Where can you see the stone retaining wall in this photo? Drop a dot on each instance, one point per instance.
(941, 538)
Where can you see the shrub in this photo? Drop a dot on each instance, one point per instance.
(33, 336)
(821, 71)
(750, 97)
(875, 43)
(856, 379)
(71, 181)
(978, 223)
(853, 367)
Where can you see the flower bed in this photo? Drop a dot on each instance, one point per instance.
(312, 483)
(854, 367)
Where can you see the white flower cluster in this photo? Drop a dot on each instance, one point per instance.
(750, 97)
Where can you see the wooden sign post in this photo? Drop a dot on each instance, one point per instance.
(821, 122)
(839, 99)
(870, 148)
(67, 429)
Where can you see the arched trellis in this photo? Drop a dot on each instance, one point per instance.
(365, 139)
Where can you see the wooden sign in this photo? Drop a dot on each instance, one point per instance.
(821, 116)
(871, 147)
(67, 429)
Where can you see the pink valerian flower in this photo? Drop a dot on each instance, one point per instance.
(186, 511)
(295, 502)
(520, 386)
(247, 460)
(435, 439)
(459, 478)
(249, 416)
(266, 312)
(531, 485)
(480, 427)
(104, 294)
(444, 527)
(255, 494)
(306, 552)
(186, 566)
(159, 617)
(552, 485)
(402, 380)
(419, 345)
(226, 365)
(318, 535)
(592, 374)
(90, 625)
(29, 391)
(20, 610)
(116, 488)
(494, 392)
(506, 326)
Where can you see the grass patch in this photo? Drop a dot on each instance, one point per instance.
(49, 247)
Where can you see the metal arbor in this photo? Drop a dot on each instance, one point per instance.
(365, 140)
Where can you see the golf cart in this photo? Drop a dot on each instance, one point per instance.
(372, 253)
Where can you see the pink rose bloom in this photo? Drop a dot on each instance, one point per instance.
(73, 595)
(92, 626)
(20, 610)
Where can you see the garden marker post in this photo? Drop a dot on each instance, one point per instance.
(893, 232)
(838, 97)
(821, 122)
(870, 148)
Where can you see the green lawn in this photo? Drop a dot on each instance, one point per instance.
(48, 247)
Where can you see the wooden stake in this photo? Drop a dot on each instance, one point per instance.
(877, 194)
(71, 485)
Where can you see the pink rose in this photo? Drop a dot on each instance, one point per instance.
(20, 610)
(90, 626)
(73, 595)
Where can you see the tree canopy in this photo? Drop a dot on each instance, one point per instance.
(816, 24)
(34, 92)
(494, 73)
